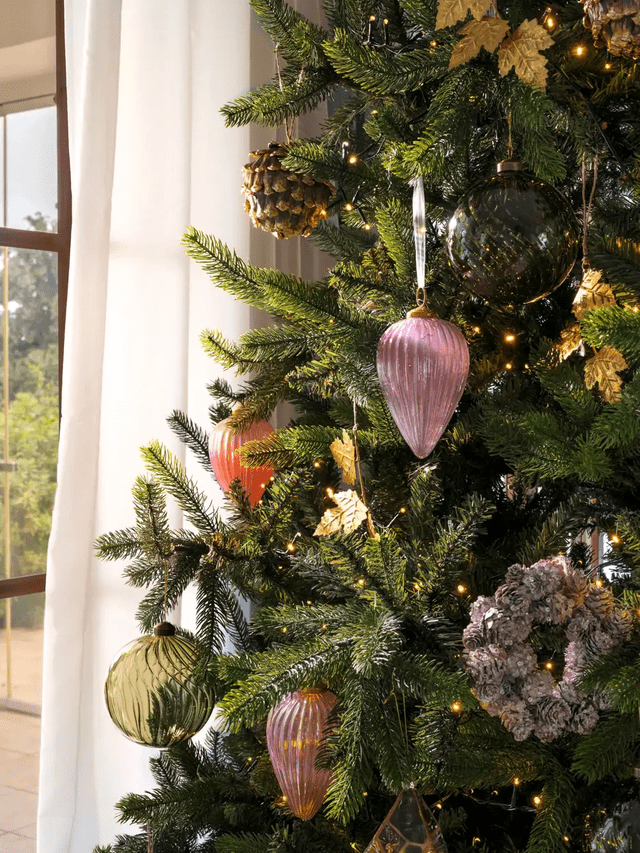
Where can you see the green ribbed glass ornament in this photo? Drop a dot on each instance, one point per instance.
(151, 693)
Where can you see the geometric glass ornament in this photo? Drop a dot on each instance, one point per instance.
(150, 692)
(620, 830)
(513, 238)
(295, 732)
(224, 446)
(423, 363)
(408, 828)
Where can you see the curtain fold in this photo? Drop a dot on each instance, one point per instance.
(149, 156)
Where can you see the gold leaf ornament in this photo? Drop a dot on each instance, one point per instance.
(592, 293)
(521, 51)
(570, 341)
(603, 369)
(345, 517)
(487, 33)
(344, 454)
(452, 11)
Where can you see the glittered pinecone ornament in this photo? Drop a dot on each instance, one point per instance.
(286, 203)
(224, 453)
(422, 363)
(408, 828)
(295, 731)
(151, 693)
(513, 238)
(615, 24)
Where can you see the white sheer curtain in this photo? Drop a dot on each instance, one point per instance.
(149, 156)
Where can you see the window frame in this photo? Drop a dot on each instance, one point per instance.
(59, 242)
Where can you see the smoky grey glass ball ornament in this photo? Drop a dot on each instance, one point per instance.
(514, 238)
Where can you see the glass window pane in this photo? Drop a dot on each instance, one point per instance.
(20, 729)
(29, 443)
(31, 169)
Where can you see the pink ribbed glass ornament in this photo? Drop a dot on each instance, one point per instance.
(295, 730)
(423, 363)
(225, 458)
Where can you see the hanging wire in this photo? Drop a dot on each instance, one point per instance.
(363, 494)
(288, 125)
(166, 590)
(587, 206)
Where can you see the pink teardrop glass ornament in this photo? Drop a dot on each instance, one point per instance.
(295, 731)
(423, 363)
(225, 458)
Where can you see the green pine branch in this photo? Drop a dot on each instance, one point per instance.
(271, 105)
(297, 39)
(380, 74)
(171, 475)
(193, 436)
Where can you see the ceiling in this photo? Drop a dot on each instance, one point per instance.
(27, 54)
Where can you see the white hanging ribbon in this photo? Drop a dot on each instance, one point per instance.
(419, 232)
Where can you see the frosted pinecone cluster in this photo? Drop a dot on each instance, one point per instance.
(287, 204)
(615, 24)
(503, 667)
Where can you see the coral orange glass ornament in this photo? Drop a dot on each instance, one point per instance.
(295, 730)
(224, 447)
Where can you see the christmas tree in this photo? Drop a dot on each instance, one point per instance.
(481, 643)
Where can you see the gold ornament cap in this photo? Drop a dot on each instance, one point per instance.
(509, 166)
(421, 311)
(164, 629)
(313, 691)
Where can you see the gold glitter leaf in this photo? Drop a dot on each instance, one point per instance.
(346, 516)
(487, 33)
(570, 340)
(522, 52)
(345, 455)
(603, 368)
(452, 11)
(592, 293)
